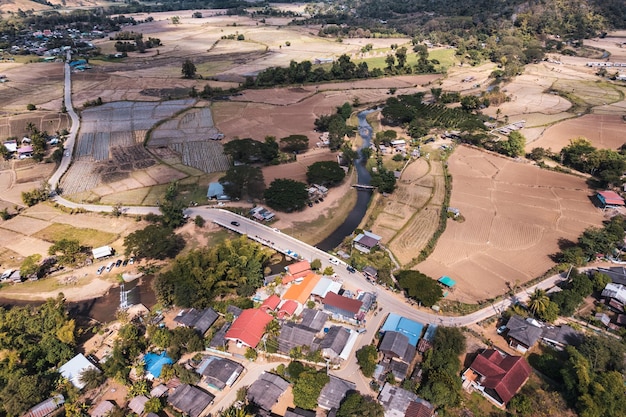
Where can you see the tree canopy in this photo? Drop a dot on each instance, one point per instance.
(358, 405)
(286, 195)
(307, 389)
(294, 143)
(153, 242)
(204, 276)
(367, 357)
(327, 173)
(419, 287)
(242, 180)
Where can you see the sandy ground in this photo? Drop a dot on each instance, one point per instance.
(515, 214)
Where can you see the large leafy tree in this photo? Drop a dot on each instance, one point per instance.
(419, 287)
(188, 69)
(326, 173)
(367, 357)
(286, 195)
(307, 389)
(294, 143)
(243, 180)
(67, 251)
(153, 242)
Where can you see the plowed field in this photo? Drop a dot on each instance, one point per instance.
(514, 214)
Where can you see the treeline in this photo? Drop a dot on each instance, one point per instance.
(337, 128)
(593, 241)
(606, 165)
(302, 72)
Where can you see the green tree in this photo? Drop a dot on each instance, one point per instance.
(316, 264)
(520, 405)
(286, 195)
(153, 242)
(153, 405)
(514, 146)
(92, 378)
(243, 180)
(30, 265)
(307, 389)
(4, 152)
(367, 357)
(357, 405)
(384, 180)
(67, 251)
(189, 68)
(538, 302)
(328, 271)
(273, 328)
(419, 287)
(175, 20)
(401, 56)
(30, 198)
(327, 173)
(199, 221)
(172, 213)
(251, 354)
(294, 143)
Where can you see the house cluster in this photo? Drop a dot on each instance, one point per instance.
(524, 333)
(395, 146)
(44, 42)
(398, 402)
(302, 327)
(614, 296)
(21, 148)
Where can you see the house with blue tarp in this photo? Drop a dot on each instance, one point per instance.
(216, 191)
(410, 328)
(154, 363)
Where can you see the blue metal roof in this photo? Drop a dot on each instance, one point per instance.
(411, 329)
(154, 363)
(447, 281)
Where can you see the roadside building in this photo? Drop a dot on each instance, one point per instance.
(261, 214)
(218, 372)
(216, 192)
(395, 400)
(395, 345)
(522, 333)
(287, 309)
(324, 286)
(333, 343)
(296, 270)
(313, 319)
(412, 329)
(270, 303)
(267, 390)
(368, 299)
(301, 291)
(334, 392)
(370, 273)
(426, 342)
(614, 292)
(342, 308)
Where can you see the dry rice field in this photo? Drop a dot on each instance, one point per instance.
(50, 122)
(407, 219)
(514, 214)
(604, 131)
(108, 150)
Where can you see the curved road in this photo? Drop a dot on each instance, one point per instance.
(71, 139)
(388, 301)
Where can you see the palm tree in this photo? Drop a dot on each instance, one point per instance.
(92, 378)
(538, 301)
(234, 412)
(273, 328)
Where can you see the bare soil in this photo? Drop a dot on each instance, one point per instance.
(515, 214)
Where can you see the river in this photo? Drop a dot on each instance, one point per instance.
(363, 197)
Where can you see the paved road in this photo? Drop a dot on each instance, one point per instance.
(71, 138)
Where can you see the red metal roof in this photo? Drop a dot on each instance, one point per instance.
(288, 308)
(249, 327)
(297, 270)
(504, 374)
(611, 198)
(344, 303)
(270, 303)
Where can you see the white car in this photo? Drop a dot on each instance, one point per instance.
(333, 261)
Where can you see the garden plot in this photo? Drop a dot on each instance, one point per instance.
(110, 148)
(189, 135)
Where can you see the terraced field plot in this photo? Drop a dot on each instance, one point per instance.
(110, 149)
(189, 135)
(514, 214)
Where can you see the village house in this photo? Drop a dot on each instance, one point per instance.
(219, 373)
(46, 407)
(103, 409)
(73, 369)
(267, 390)
(366, 241)
(334, 392)
(343, 308)
(201, 320)
(190, 400)
(296, 270)
(609, 199)
(524, 333)
(249, 327)
(497, 376)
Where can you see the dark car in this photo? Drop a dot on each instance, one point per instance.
(309, 204)
(235, 223)
(125, 262)
(118, 263)
(351, 269)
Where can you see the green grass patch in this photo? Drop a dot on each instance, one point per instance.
(446, 58)
(87, 237)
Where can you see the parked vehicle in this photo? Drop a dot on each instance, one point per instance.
(99, 271)
(110, 266)
(118, 263)
(235, 223)
(333, 261)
